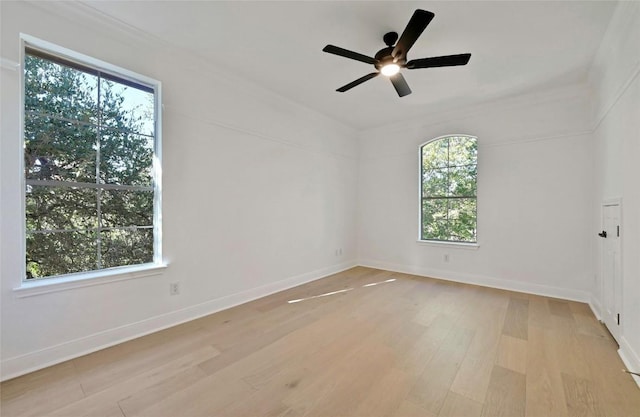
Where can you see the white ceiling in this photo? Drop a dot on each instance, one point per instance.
(516, 47)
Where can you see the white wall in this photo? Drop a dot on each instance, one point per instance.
(616, 83)
(534, 195)
(259, 192)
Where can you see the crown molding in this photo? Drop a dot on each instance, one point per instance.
(567, 92)
(622, 31)
(602, 111)
(78, 11)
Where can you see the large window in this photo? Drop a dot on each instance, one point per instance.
(91, 166)
(448, 189)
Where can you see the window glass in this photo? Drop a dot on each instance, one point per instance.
(89, 155)
(448, 188)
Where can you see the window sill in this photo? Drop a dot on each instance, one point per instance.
(443, 244)
(87, 279)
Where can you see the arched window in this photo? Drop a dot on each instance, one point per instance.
(448, 174)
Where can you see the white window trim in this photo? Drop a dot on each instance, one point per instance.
(86, 279)
(442, 243)
(32, 287)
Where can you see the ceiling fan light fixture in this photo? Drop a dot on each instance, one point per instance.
(388, 61)
(390, 69)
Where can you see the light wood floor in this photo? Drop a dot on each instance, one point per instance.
(406, 346)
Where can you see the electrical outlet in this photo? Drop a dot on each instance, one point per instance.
(174, 288)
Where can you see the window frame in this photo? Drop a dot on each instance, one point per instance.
(436, 242)
(97, 276)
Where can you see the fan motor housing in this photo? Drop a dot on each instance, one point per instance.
(384, 57)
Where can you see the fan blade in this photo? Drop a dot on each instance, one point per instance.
(439, 61)
(415, 27)
(400, 84)
(357, 82)
(348, 54)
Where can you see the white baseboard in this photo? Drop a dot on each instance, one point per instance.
(595, 308)
(630, 358)
(484, 281)
(33, 361)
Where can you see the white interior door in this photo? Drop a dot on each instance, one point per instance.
(611, 268)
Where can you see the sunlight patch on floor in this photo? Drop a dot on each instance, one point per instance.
(318, 296)
(378, 283)
(338, 291)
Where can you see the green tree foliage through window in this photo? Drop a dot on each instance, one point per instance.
(89, 142)
(448, 189)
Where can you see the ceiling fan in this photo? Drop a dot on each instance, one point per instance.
(389, 60)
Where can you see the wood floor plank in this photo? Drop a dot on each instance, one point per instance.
(560, 308)
(417, 356)
(340, 393)
(142, 399)
(472, 379)
(441, 303)
(210, 395)
(580, 309)
(349, 340)
(545, 392)
(95, 378)
(516, 321)
(512, 354)
(605, 366)
(456, 405)
(144, 344)
(581, 397)
(39, 393)
(268, 397)
(433, 385)
(386, 394)
(363, 342)
(44, 379)
(506, 394)
(568, 346)
(284, 366)
(152, 384)
(590, 326)
(539, 314)
(249, 345)
(411, 409)
(422, 290)
(305, 341)
(89, 408)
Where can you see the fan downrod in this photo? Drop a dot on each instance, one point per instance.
(390, 38)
